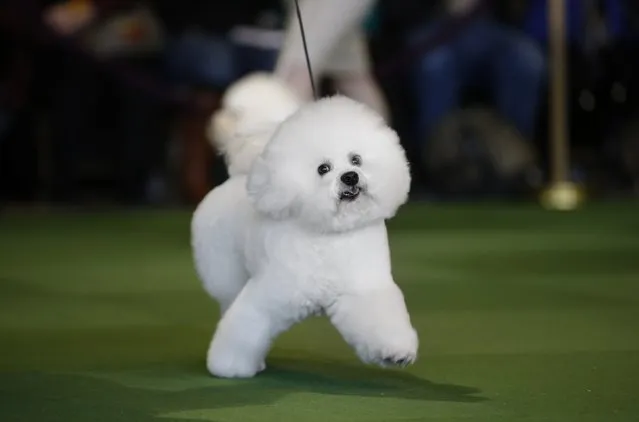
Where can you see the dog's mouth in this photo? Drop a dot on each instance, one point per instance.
(350, 194)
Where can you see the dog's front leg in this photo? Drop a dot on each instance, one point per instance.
(245, 333)
(377, 325)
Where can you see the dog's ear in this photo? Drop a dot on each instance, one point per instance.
(268, 190)
(393, 188)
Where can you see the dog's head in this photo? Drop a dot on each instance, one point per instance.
(332, 166)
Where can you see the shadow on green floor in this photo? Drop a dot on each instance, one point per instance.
(143, 396)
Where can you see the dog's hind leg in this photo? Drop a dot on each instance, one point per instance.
(222, 274)
(245, 333)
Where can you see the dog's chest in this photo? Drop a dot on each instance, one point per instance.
(317, 267)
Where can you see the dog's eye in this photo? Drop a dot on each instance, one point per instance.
(356, 160)
(323, 169)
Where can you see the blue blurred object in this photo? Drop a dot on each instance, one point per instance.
(536, 22)
(212, 60)
(195, 58)
(485, 54)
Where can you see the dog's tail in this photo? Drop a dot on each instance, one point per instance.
(252, 108)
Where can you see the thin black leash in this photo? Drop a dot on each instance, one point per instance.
(308, 59)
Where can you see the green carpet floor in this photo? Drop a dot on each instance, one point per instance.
(523, 315)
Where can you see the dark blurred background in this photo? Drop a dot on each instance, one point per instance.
(106, 102)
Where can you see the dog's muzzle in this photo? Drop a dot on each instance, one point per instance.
(351, 188)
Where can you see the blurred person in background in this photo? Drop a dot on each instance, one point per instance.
(98, 120)
(337, 44)
(589, 23)
(203, 48)
(602, 86)
(210, 45)
(490, 52)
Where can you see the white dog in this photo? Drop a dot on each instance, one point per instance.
(304, 234)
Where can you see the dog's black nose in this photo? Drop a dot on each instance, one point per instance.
(350, 178)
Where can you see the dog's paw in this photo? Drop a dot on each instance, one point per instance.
(233, 366)
(232, 369)
(400, 361)
(398, 350)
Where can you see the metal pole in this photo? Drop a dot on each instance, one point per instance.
(560, 138)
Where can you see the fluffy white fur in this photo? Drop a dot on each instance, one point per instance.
(250, 111)
(278, 245)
